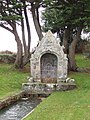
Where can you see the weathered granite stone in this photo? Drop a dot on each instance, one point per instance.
(48, 62)
(46, 88)
(11, 99)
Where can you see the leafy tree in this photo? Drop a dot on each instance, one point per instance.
(13, 13)
(67, 18)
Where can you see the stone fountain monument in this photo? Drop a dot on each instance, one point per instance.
(49, 62)
(49, 66)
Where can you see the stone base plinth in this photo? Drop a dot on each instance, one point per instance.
(47, 88)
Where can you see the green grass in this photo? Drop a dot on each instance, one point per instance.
(69, 105)
(82, 61)
(63, 106)
(10, 80)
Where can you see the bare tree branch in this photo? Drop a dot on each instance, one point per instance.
(7, 28)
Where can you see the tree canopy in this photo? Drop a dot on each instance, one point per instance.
(62, 13)
(67, 18)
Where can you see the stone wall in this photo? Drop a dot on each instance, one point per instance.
(7, 58)
(10, 100)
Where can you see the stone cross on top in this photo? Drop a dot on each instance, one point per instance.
(48, 62)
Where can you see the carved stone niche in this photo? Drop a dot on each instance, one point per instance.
(48, 62)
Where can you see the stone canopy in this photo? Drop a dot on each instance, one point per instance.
(48, 62)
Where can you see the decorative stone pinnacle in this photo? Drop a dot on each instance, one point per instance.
(49, 34)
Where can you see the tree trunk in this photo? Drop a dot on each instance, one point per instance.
(66, 39)
(72, 61)
(36, 22)
(19, 58)
(27, 49)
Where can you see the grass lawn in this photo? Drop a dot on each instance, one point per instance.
(69, 105)
(10, 80)
(82, 61)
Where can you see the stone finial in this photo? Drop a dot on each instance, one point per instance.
(49, 33)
